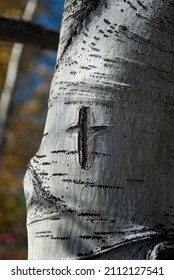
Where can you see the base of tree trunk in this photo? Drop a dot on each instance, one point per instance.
(156, 248)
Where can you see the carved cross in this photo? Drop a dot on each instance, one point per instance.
(86, 135)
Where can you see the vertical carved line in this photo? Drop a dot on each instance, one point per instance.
(83, 142)
(86, 136)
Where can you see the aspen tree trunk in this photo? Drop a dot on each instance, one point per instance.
(103, 176)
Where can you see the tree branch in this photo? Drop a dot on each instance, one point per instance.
(29, 33)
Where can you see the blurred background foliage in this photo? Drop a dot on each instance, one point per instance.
(25, 123)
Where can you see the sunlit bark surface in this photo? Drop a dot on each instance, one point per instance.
(104, 172)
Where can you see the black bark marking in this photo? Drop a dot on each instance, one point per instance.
(96, 38)
(101, 154)
(41, 191)
(60, 238)
(90, 184)
(86, 134)
(141, 4)
(95, 49)
(44, 174)
(123, 28)
(40, 156)
(107, 21)
(59, 174)
(84, 10)
(109, 31)
(101, 31)
(42, 232)
(64, 152)
(135, 180)
(131, 5)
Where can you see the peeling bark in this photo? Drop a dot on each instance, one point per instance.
(89, 196)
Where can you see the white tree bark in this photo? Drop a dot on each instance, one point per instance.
(103, 175)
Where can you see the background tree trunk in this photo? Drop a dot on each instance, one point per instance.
(12, 71)
(29, 33)
(103, 176)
